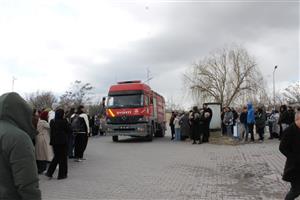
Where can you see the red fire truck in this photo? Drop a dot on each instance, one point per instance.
(133, 109)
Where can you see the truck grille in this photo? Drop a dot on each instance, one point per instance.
(124, 120)
(127, 129)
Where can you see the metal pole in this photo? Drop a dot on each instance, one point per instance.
(274, 101)
(13, 83)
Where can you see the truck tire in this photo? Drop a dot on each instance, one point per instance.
(159, 132)
(115, 138)
(151, 133)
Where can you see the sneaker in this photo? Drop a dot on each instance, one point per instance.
(77, 160)
(48, 175)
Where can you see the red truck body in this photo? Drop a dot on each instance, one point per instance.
(133, 109)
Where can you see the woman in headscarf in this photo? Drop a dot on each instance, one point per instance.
(59, 131)
(195, 125)
(43, 150)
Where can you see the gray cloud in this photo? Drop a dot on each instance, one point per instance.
(190, 32)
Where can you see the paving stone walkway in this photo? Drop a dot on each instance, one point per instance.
(163, 169)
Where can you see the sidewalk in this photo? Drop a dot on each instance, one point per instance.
(163, 169)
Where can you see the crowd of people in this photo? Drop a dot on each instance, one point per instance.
(239, 123)
(36, 142)
(194, 124)
(59, 137)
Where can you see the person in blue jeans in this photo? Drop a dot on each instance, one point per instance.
(177, 127)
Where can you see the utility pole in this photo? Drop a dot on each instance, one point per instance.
(148, 77)
(13, 83)
(274, 101)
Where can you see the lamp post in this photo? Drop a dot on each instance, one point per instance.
(274, 85)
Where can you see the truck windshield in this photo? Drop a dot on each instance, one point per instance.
(125, 101)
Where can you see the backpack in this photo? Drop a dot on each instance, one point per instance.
(78, 124)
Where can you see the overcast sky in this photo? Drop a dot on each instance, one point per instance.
(47, 45)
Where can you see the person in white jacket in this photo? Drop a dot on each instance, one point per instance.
(43, 149)
(177, 127)
(80, 128)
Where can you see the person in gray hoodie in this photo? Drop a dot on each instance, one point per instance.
(228, 121)
(18, 170)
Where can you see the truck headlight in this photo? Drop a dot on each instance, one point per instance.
(142, 119)
(140, 129)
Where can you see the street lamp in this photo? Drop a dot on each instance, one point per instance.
(274, 85)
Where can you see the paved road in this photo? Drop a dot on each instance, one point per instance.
(133, 169)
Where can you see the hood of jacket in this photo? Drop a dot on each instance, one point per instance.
(15, 110)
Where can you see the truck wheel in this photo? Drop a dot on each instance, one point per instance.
(160, 132)
(150, 136)
(115, 138)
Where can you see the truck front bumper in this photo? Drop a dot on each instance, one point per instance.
(135, 130)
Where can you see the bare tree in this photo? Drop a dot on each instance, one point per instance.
(41, 100)
(280, 99)
(172, 106)
(224, 76)
(78, 94)
(292, 93)
(94, 110)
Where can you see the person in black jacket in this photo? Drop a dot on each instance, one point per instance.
(59, 131)
(291, 114)
(195, 121)
(260, 123)
(283, 119)
(207, 116)
(171, 124)
(290, 147)
(223, 126)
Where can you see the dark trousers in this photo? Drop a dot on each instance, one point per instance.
(81, 140)
(224, 129)
(95, 130)
(205, 134)
(41, 165)
(60, 158)
(196, 133)
(270, 126)
(71, 141)
(250, 130)
(172, 130)
(261, 132)
(294, 191)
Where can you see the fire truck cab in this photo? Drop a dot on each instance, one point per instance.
(133, 109)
